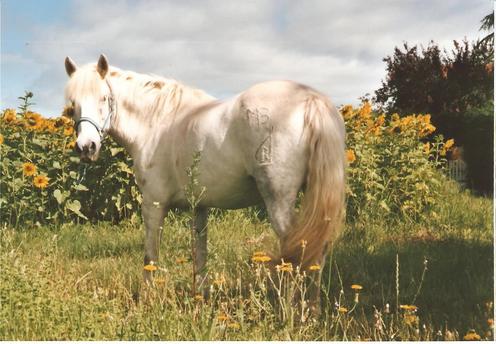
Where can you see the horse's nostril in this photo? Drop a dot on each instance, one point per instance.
(93, 147)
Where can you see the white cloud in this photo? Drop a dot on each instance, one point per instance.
(225, 46)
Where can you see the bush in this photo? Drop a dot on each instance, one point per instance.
(391, 171)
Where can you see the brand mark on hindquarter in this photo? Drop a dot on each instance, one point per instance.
(259, 119)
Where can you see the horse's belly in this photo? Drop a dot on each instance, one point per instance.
(236, 194)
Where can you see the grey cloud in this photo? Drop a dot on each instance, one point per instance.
(225, 46)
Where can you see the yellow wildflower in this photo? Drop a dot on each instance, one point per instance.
(1, 139)
(471, 335)
(28, 169)
(261, 259)
(409, 308)
(315, 267)
(448, 144)
(285, 267)
(259, 253)
(350, 156)
(490, 322)
(40, 181)
(343, 310)
(150, 267)
(356, 287)
(198, 297)
(9, 115)
(380, 120)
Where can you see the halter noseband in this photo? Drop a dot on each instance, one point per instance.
(112, 110)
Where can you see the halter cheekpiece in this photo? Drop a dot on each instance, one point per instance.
(102, 130)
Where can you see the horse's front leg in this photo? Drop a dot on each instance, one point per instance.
(199, 224)
(153, 216)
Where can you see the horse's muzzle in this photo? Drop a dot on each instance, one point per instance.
(88, 152)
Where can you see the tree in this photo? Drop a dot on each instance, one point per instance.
(456, 88)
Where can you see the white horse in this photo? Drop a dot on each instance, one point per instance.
(262, 146)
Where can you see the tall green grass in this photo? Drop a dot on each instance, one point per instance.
(85, 281)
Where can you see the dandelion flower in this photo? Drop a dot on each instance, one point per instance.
(28, 169)
(261, 259)
(40, 181)
(350, 156)
(471, 335)
(150, 267)
(409, 308)
(315, 267)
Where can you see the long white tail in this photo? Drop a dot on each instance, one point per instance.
(321, 213)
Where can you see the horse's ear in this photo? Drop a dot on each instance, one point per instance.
(70, 66)
(102, 66)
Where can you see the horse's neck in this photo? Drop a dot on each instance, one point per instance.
(142, 119)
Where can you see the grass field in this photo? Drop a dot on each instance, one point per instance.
(84, 282)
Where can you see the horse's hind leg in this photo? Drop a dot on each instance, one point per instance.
(279, 192)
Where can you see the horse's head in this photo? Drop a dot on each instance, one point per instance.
(90, 94)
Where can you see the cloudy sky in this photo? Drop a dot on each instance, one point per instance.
(222, 46)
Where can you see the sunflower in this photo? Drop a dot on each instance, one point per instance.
(28, 169)
(71, 145)
(350, 156)
(9, 115)
(33, 121)
(68, 131)
(40, 181)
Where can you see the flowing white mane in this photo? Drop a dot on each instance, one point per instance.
(142, 94)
